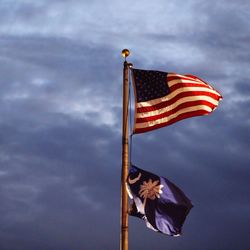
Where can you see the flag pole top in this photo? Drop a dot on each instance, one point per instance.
(125, 53)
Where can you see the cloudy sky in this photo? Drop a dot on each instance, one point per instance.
(60, 121)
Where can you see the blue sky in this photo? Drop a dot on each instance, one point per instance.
(60, 121)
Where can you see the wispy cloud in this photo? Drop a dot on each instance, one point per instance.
(60, 120)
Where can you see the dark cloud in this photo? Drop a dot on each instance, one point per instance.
(60, 120)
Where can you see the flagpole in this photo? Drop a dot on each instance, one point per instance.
(124, 172)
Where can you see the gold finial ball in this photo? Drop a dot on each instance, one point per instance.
(125, 53)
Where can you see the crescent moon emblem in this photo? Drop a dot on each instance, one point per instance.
(133, 181)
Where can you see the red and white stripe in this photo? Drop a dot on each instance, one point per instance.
(189, 96)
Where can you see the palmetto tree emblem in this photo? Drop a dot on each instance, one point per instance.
(150, 190)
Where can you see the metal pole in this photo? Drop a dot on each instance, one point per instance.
(124, 172)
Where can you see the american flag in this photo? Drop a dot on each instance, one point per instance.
(164, 98)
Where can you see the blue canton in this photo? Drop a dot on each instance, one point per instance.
(150, 84)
